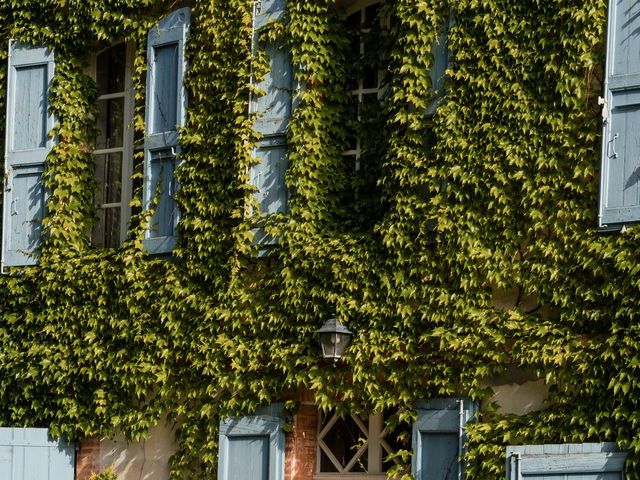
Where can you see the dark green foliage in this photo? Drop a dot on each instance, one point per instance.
(506, 173)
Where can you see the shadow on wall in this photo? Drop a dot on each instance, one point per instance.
(145, 460)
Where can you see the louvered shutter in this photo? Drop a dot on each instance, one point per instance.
(440, 52)
(252, 447)
(620, 170)
(29, 453)
(166, 110)
(583, 461)
(438, 438)
(27, 146)
(273, 110)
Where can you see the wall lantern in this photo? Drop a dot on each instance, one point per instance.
(334, 339)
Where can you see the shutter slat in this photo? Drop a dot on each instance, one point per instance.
(165, 112)
(28, 143)
(620, 170)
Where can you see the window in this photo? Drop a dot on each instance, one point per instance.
(356, 444)
(114, 145)
(368, 59)
(369, 27)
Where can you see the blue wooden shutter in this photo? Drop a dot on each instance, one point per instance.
(585, 461)
(273, 110)
(620, 179)
(29, 453)
(440, 52)
(438, 438)
(27, 146)
(166, 110)
(252, 447)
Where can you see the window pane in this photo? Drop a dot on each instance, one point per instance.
(106, 229)
(370, 61)
(110, 69)
(110, 123)
(109, 178)
(371, 14)
(352, 124)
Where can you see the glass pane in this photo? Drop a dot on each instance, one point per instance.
(136, 180)
(369, 113)
(106, 229)
(343, 439)
(110, 123)
(353, 21)
(371, 14)
(110, 69)
(109, 178)
(352, 124)
(370, 62)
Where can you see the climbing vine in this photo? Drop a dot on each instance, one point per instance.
(496, 192)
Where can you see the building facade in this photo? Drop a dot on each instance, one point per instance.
(192, 189)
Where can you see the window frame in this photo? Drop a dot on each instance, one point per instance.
(128, 138)
(374, 447)
(360, 92)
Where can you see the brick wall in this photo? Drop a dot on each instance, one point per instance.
(300, 448)
(88, 458)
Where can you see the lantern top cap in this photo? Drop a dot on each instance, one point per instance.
(333, 326)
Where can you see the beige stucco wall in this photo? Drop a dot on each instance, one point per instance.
(520, 398)
(144, 460)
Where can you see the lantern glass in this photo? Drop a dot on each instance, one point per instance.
(334, 339)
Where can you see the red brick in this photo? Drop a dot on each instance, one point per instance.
(300, 447)
(88, 459)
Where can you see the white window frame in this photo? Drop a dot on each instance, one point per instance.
(360, 92)
(128, 133)
(375, 431)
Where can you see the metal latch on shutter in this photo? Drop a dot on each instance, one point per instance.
(605, 109)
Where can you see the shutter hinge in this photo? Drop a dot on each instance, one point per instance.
(605, 109)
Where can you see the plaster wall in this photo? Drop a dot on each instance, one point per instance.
(519, 398)
(144, 460)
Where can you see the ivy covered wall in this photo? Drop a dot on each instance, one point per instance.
(97, 340)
